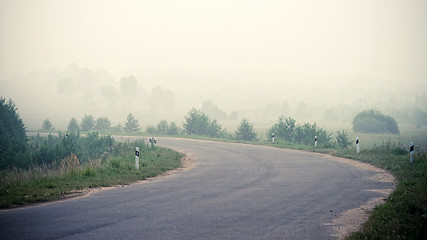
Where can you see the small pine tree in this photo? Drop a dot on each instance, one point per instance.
(342, 139)
(131, 125)
(47, 125)
(245, 131)
(73, 126)
(13, 138)
(88, 123)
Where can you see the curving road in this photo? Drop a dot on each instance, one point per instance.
(233, 191)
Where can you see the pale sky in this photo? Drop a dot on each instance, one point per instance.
(240, 54)
(378, 39)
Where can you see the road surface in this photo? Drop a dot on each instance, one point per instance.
(233, 191)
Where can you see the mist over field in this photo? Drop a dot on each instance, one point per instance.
(315, 61)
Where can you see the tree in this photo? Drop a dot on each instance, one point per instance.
(73, 126)
(373, 121)
(13, 138)
(47, 125)
(245, 132)
(284, 129)
(88, 123)
(342, 139)
(102, 124)
(131, 124)
(173, 129)
(162, 127)
(198, 123)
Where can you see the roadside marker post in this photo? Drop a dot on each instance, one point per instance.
(411, 152)
(357, 145)
(315, 141)
(272, 137)
(137, 158)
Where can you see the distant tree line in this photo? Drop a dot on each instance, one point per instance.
(16, 150)
(102, 124)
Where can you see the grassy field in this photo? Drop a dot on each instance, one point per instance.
(38, 184)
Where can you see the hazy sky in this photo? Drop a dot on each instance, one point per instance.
(377, 39)
(240, 54)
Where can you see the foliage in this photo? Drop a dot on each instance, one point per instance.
(102, 124)
(198, 123)
(245, 131)
(284, 129)
(173, 129)
(372, 121)
(13, 139)
(47, 125)
(162, 127)
(73, 126)
(88, 123)
(131, 124)
(48, 182)
(287, 130)
(343, 140)
(50, 150)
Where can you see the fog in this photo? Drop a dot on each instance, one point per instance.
(314, 60)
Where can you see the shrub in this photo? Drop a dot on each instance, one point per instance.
(372, 121)
(342, 139)
(286, 129)
(245, 131)
(198, 123)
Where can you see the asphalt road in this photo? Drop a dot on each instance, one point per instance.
(233, 191)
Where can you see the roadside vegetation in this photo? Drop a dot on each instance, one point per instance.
(106, 162)
(37, 169)
(60, 177)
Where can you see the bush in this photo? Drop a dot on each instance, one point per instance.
(372, 121)
(287, 130)
(198, 123)
(342, 139)
(284, 129)
(245, 132)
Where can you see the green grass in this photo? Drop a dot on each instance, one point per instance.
(20, 187)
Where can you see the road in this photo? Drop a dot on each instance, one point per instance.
(233, 191)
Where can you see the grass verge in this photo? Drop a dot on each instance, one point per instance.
(20, 187)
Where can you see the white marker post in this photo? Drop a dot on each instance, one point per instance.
(315, 141)
(272, 137)
(357, 145)
(411, 152)
(137, 158)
